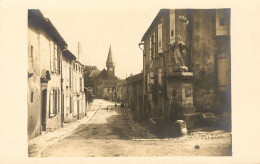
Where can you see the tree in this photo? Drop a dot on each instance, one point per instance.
(88, 82)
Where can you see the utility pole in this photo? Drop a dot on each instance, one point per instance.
(78, 50)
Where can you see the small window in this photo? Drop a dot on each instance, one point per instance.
(31, 97)
(222, 21)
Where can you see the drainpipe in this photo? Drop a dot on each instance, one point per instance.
(62, 100)
(142, 44)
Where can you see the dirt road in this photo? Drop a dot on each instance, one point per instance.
(110, 134)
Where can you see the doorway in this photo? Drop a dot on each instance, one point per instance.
(43, 114)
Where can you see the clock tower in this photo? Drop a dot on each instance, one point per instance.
(110, 65)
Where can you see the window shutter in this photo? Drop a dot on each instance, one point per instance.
(172, 26)
(51, 56)
(160, 38)
(152, 77)
(154, 45)
(150, 48)
(160, 77)
(51, 103)
(56, 58)
(70, 76)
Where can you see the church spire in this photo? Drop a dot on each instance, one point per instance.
(110, 60)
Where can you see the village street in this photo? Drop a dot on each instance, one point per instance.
(113, 133)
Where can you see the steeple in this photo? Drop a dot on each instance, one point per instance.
(110, 60)
(110, 65)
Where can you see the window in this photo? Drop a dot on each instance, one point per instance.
(70, 77)
(172, 26)
(56, 58)
(150, 48)
(31, 97)
(222, 22)
(160, 38)
(51, 56)
(80, 84)
(32, 51)
(160, 77)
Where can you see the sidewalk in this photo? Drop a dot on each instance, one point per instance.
(39, 143)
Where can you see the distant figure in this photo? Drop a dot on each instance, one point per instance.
(122, 105)
(115, 105)
(107, 108)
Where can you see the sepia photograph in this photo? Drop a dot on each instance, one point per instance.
(129, 83)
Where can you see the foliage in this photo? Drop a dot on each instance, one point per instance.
(86, 72)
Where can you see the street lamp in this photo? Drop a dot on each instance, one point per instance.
(140, 46)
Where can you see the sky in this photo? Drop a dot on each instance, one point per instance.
(97, 29)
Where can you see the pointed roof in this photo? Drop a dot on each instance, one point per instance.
(110, 59)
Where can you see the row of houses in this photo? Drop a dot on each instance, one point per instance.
(186, 56)
(55, 78)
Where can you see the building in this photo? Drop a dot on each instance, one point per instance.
(187, 63)
(105, 80)
(121, 91)
(78, 90)
(134, 97)
(67, 85)
(49, 76)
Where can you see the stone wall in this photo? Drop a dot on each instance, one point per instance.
(203, 59)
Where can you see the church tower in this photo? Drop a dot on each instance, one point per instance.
(110, 65)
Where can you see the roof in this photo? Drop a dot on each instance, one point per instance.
(94, 73)
(76, 61)
(68, 54)
(158, 16)
(134, 78)
(38, 21)
(122, 82)
(110, 58)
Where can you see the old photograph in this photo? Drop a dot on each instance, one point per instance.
(129, 83)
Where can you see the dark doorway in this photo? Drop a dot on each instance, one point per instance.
(44, 101)
(62, 109)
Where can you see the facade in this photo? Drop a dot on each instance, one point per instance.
(187, 62)
(121, 91)
(78, 90)
(49, 76)
(105, 80)
(67, 85)
(134, 98)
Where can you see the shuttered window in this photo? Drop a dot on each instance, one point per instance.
(56, 58)
(172, 26)
(70, 77)
(150, 48)
(51, 104)
(160, 38)
(51, 56)
(160, 77)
